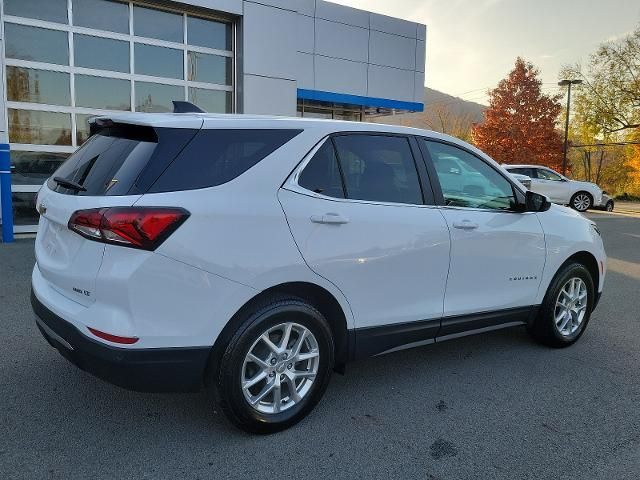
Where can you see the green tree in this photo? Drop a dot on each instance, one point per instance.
(612, 80)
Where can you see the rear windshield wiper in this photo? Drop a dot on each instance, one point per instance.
(69, 184)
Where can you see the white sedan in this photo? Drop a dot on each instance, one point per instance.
(578, 195)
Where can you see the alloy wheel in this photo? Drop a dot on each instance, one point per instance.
(280, 368)
(581, 202)
(571, 306)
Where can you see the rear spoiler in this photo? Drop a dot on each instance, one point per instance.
(100, 122)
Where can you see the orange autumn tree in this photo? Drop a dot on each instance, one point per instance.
(633, 163)
(520, 122)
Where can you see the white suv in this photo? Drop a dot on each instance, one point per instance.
(256, 255)
(579, 195)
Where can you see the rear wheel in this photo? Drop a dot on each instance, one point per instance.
(609, 206)
(566, 309)
(581, 201)
(276, 367)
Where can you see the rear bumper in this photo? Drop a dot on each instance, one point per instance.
(145, 370)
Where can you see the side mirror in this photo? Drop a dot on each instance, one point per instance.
(534, 202)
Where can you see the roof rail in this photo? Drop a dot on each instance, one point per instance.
(180, 106)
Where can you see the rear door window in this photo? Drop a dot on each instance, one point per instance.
(378, 168)
(215, 157)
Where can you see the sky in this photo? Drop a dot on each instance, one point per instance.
(472, 44)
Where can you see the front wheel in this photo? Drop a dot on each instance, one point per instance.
(566, 308)
(609, 206)
(276, 367)
(581, 201)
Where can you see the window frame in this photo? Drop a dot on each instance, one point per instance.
(70, 29)
(518, 193)
(426, 191)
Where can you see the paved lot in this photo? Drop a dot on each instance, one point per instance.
(490, 406)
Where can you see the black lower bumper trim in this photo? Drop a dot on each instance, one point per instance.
(143, 369)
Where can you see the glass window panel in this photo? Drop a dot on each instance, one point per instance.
(313, 112)
(43, 128)
(24, 208)
(82, 127)
(49, 10)
(211, 101)
(105, 93)
(346, 115)
(38, 86)
(208, 33)
(149, 22)
(322, 174)
(154, 97)
(158, 61)
(36, 44)
(545, 174)
(468, 181)
(209, 68)
(378, 168)
(33, 168)
(101, 14)
(217, 156)
(101, 53)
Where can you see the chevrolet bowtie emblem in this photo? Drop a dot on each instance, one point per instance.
(42, 209)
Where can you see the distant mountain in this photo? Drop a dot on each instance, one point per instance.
(443, 113)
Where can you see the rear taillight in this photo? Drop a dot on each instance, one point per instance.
(136, 227)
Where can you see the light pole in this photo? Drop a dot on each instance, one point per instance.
(568, 83)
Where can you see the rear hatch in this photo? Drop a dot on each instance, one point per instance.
(112, 169)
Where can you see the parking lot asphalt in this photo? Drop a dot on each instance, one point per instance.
(495, 405)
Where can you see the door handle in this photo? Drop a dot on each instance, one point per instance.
(465, 225)
(330, 219)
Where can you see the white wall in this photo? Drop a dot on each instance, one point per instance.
(318, 45)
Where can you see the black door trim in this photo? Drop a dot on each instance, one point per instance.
(466, 323)
(370, 341)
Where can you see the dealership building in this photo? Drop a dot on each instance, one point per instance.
(64, 61)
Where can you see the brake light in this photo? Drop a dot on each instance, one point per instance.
(136, 227)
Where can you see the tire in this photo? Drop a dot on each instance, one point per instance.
(544, 328)
(581, 201)
(609, 206)
(271, 318)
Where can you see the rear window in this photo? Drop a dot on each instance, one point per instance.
(111, 161)
(215, 157)
(129, 159)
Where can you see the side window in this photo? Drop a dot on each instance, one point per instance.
(321, 175)
(522, 171)
(217, 156)
(545, 174)
(473, 183)
(378, 168)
